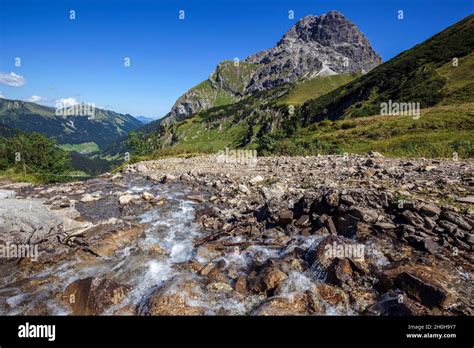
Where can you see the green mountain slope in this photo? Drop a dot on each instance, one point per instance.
(416, 75)
(234, 125)
(226, 85)
(103, 129)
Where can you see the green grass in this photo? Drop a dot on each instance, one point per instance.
(438, 133)
(315, 88)
(459, 87)
(81, 148)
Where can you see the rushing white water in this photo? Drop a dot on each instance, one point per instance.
(155, 259)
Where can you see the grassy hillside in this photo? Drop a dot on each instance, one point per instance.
(440, 132)
(412, 76)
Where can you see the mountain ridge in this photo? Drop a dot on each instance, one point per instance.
(103, 128)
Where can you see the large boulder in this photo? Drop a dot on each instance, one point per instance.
(92, 296)
(24, 221)
(106, 238)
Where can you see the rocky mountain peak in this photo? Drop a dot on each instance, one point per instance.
(316, 45)
(327, 29)
(322, 45)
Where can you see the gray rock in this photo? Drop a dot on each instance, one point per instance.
(27, 221)
(456, 219)
(413, 218)
(430, 210)
(4, 194)
(366, 215)
(468, 199)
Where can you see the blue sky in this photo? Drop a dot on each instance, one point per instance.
(83, 59)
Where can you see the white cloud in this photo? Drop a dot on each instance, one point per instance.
(12, 79)
(35, 98)
(66, 102)
(2, 96)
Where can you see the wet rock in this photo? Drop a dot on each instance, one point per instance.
(320, 255)
(425, 284)
(196, 198)
(105, 239)
(292, 304)
(339, 272)
(394, 303)
(92, 296)
(219, 287)
(334, 296)
(361, 299)
(147, 196)
(127, 198)
(207, 252)
(266, 280)
(168, 178)
(241, 285)
(178, 296)
(207, 269)
(424, 291)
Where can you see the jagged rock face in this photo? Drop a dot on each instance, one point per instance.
(315, 46)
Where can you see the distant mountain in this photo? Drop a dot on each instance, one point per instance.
(102, 127)
(322, 45)
(144, 120)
